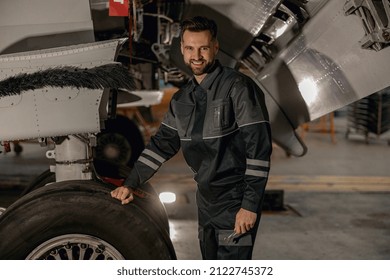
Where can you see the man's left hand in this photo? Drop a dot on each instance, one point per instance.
(245, 220)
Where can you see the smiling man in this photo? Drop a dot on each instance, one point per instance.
(220, 120)
(199, 50)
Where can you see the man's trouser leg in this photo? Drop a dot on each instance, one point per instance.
(211, 249)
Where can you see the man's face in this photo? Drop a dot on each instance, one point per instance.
(199, 51)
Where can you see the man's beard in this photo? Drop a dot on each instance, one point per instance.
(200, 71)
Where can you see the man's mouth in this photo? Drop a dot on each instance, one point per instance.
(197, 62)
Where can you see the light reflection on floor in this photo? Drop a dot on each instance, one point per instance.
(172, 231)
(184, 236)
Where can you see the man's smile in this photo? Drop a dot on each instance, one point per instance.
(197, 62)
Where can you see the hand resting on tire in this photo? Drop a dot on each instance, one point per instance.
(124, 194)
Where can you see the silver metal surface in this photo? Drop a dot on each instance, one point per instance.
(139, 98)
(73, 158)
(32, 25)
(328, 64)
(53, 111)
(375, 17)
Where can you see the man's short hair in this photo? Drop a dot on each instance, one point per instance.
(197, 24)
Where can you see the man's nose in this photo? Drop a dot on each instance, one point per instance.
(197, 54)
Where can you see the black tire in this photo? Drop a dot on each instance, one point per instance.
(120, 143)
(64, 220)
(121, 172)
(155, 207)
(46, 177)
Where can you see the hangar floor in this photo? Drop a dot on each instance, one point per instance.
(335, 199)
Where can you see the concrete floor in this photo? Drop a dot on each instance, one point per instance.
(336, 199)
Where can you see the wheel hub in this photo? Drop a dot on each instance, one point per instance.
(75, 247)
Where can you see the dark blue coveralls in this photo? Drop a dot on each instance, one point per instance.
(223, 129)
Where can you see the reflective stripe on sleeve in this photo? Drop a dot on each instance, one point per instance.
(256, 173)
(148, 163)
(154, 155)
(257, 167)
(257, 162)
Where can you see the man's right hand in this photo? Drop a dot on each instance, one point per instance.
(124, 194)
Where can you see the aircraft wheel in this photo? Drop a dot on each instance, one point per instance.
(44, 178)
(153, 206)
(79, 220)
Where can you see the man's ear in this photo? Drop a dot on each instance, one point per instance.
(181, 47)
(216, 46)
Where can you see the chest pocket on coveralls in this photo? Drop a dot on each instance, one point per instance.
(222, 114)
(183, 112)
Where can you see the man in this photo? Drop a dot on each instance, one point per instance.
(220, 121)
